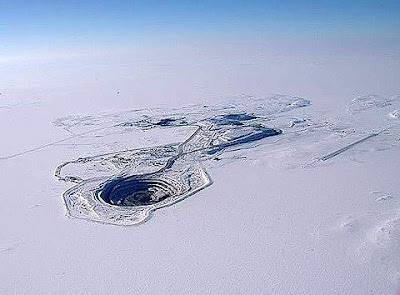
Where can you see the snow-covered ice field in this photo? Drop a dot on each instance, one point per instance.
(312, 209)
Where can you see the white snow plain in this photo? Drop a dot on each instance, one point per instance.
(314, 210)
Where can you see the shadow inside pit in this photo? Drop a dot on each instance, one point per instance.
(133, 191)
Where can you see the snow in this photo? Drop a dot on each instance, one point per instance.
(315, 209)
(395, 114)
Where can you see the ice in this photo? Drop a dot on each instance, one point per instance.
(395, 114)
(245, 206)
(125, 187)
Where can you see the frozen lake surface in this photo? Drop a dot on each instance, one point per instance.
(140, 181)
(222, 193)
